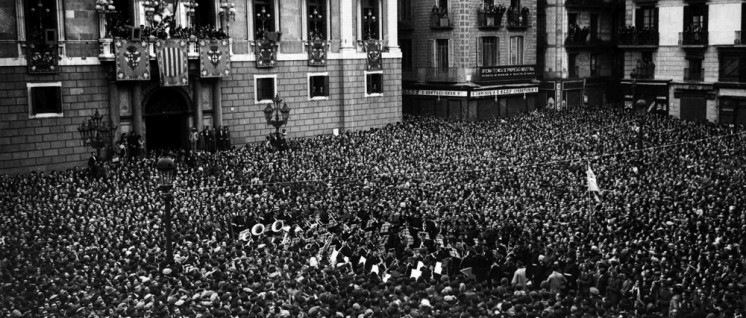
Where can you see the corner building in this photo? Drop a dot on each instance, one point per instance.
(58, 62)
(578, 57)
(686, 58)
(468, 60)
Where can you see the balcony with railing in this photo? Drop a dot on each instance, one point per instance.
(696, 39)
(519, 18)
(582, 38)
(631, 37)
(694, 74)
(490, 16)
(439, 19)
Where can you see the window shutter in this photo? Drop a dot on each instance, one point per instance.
(326, 86)
(480, 51)
(687, 17)
(639, 18)
(433, 52)
(705, 17)
(655, 19)
(451, 55)
(311, 84)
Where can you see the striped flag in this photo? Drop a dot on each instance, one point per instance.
(172, 61)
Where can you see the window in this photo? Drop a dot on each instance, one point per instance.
(405, 10)
(732, 67)
(441, 53)
(695, 18)
(318, 85)
(317, 19)
(265, 88)
(264, 11)
(41, 19)
(572, 18)
(44, 99)
(204, 14)
(373, 83)
(515, 3)
(694, 72)
(516, 50)
(594, 65)
(646, 18)
(443, 4)
(406, 54)
(370, 19)
(490, 52)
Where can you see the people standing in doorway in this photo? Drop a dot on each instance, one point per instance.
(193, 138)
(227, 136)
(211, 140)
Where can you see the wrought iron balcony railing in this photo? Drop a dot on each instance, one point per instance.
(693, 38)
(631, 37)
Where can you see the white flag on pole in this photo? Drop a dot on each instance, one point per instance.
(592, 185)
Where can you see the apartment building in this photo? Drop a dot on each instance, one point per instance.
(468, 60)
(686, 58)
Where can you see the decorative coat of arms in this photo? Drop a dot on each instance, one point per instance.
(373, 54)
(172, 62)
(43, 58)
(317, 49)
(133, 60)
(215, 58)
(266, 53)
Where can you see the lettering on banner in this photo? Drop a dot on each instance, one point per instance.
(507, 91)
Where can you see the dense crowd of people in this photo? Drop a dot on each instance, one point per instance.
(424, 218)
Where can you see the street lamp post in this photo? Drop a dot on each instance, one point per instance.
(96, 132)
(277, 115)
(166, 176)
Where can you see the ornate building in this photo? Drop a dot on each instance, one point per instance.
(468, 60)
(159, 68)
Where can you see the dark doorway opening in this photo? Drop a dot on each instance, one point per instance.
(166, 120)
(165, 132)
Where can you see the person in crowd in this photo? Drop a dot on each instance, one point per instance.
(422, 218)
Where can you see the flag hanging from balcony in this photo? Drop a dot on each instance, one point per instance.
(373, 53)
(214, 58)
(133, 60)
(172, 62)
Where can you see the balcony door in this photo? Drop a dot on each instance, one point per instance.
(441, 55)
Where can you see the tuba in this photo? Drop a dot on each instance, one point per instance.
(257, 229)
(277, 226)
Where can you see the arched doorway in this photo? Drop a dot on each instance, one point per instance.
(166, 120)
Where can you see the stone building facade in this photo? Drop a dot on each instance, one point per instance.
(578, 59)
(685, 58)
(44, 101)
(468, 60)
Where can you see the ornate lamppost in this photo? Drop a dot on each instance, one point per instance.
(228, 12)
(166, 176)
(277, 115)
(191, 9)
(96, 132)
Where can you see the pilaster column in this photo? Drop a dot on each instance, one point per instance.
(136, 99)
(217, 105)
(392, 25)
(114, 109)
(347, 26)
(197, 99)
